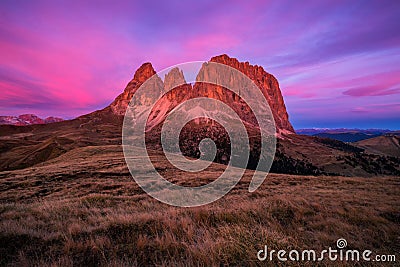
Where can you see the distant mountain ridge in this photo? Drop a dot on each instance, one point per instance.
(27, 119)
(346, 135)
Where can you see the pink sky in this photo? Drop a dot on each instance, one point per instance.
(337, 62)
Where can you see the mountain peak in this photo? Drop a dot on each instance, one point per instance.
(144, 72)
(173, 78)
(224, 59)
(235, 63)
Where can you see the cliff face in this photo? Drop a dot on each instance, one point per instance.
(267, 83)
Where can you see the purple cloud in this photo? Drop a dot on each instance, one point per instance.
(371, 91)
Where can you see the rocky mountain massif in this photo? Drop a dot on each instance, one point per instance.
(266, 82)
(22, 147)
(27, 119)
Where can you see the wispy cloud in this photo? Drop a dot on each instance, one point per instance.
(371, 91)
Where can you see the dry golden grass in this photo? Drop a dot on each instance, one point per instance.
(83, 208)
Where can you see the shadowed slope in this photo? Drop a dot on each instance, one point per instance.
(382, 145)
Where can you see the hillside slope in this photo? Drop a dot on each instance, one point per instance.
(381, 145)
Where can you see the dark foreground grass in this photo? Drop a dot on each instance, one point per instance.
(95, 215)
